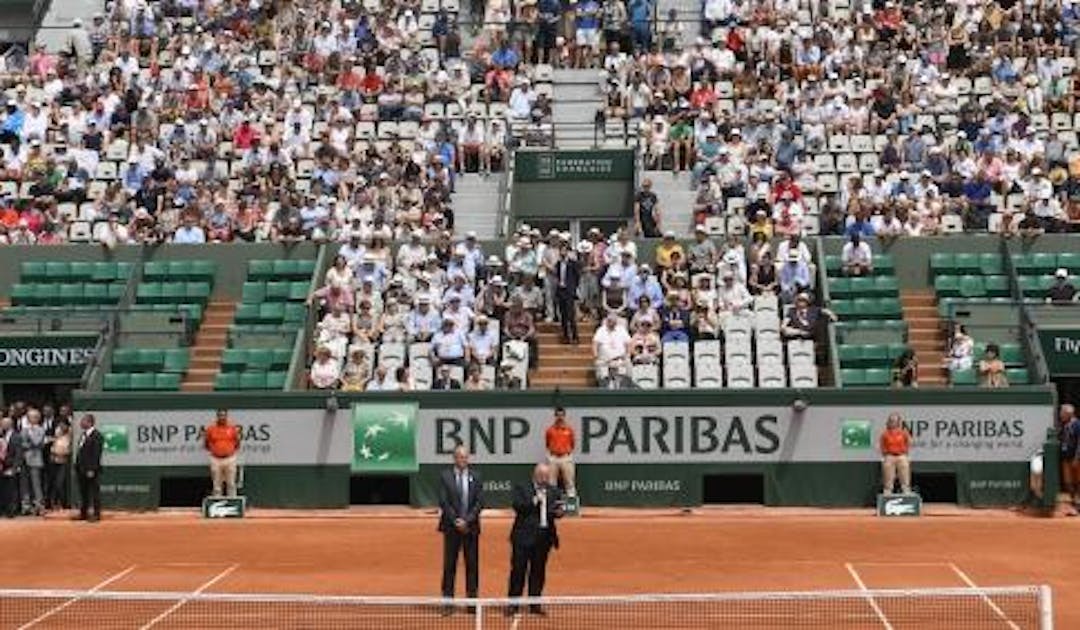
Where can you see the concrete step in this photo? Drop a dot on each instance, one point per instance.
(565, 361)
(197, 386)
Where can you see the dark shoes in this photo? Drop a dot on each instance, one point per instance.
(538, 611)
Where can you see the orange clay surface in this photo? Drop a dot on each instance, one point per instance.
(398, 552)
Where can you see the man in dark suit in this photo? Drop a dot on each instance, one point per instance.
(537, 504)
(444, 381)
(567, 278)
(461, 497)
(616, 380)
(88, 470)
(10, 463)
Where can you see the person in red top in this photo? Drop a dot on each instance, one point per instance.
(246, 135)
(559, 439)
(222, 441)
(895, 443)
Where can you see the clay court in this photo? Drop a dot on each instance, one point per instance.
(397, 552)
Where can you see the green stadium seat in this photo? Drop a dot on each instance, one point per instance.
(143, 381)
(1012, 354)
(839, 287)
(997, 286)
(852, 377)
(1029, 285)
(122, 270)
(227, 381)
(176, 360)
(202, 270)
(167, 382)
(150, 358)
(277, 291)
(298, 290)
(843, 308)
(116, 291)
(1070, 262)
(125, 360)
(247, 313)
(884, 265)
(972, 286)
(233, 359)
(282, 357)
(862, 287)
(148, 292)
(113, 381)
(304, 268)
(886, 286)
(198, 292)
(71, 293)
(1024, 264)
(57, 271)
(963, 377)
(850, 355)
(32, 271)
(260, 359)
(875, 354)
(877, 377)
(271, 312)
(81, 271)
(941, 263)
(947, 286)
(833, 264)
(991, 264)
(103, 272)
(22, 294)
(284, 268)
(1044, 263)
(295, 313)
(253, 292)
(96, 293)
(155, 271)
(966, 263)
(253, 380)
(260, 269)
(276, 379)
(1017, 376)
(895, 350)
(46, 294)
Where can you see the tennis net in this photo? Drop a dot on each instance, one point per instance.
(1020, 607)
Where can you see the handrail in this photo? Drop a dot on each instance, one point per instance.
(102, 355)
(826, 298)
(1032, 346)
(502, 210)
(302, 343)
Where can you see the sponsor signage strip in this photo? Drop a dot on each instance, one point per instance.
(1061, 347)
(36, 357)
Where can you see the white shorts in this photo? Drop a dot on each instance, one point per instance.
(588, 37)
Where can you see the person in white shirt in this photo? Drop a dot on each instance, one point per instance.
(610, 346)
(856, 257)
(412, 253)
(732, 298)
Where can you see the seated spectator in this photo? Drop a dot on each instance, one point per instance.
(610, 345)
(674, 320)
(443, 380)
(856, 257)
(518, 325)
(645, 344)
(703, 253)
(807, 321)
(992, 368)
(793, 277)
(732, 298)
(905, 371)
(704, 322)
(393, 323)
(483, 342)
(1062, 291)
(325, 370)
(423, 321)
(366, 324)
(961, 350)
(448, 346)
(614, 379)
(645, 312)
(355, 374)
(763, 278)
(474, 381)
(644, 285)
(668, 252)
(333, 331)
(381, 381)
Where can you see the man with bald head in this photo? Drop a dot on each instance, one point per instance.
(537, 504)
(460, 501)
(1069, 436)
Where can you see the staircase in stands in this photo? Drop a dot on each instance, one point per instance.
(926, 336)
(208, 347)
(562, 365)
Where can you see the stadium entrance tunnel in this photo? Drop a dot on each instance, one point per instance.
(184, 491)
(935, 487)
(378, 490)
(746, 488)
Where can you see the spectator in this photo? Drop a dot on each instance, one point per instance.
(674, 320)
(60, 466)
(448, 345)
(905, 372)
(763, 278)
(647, 211)
(483, 342)
(895, 463)
(326, 370)
(444, 381)
(613, 379)
(610, 345)
(518, 326)
(1069, 438)
(1062, 291)
(856, 257)
(32, 479)
(992, 368)
(794, 277)
(961, 351)
(10, 466)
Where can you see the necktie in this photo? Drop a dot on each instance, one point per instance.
(543, 509)
(463, 481)
(562, 273)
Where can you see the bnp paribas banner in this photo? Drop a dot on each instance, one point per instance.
(729, 435)
(384, 438)
(267, 437)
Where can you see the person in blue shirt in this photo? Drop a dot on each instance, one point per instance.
(133, 177)
(977, 192)
(587, 20)
(860, 224)
(449, 346)
(11, 128)
(640, 16)
(674, 320)
(505, 56)
(190, 232)
(550, 14)
(645, 285)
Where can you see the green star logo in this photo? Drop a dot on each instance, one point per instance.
(855, 434)
(384, 438)
(115, 438)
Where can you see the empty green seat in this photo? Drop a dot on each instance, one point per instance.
(227, 381)
(150, 358)
(202, 270)
(295, 313)
(260, 359)
(252, 380)
(843, 308)
(271, 312)
(71, 293)
(1017, 376)
(1071, 262)
(167, 382)
(148, 292)
(155, 271)
(253, 292)
(963, 377)
(247, 314)
(943, 263)
(46, 294)
(32, 271)
(260, 269)
(285, 268)
(1024, 264)
(877, 377)
(22, 294)
(1044, 263)
(96, 293)
(277, 291)
(852, 377)
(862, 286)
(875, 354)
(143, 381)
(991, 264)
(1029, 285)
(965, 263)
(81, 271)
(997, 286)
(282, 357)
(198, 292)
(275, 379)
(850, 354)
(972, 286)
(125, 360)
(839, 287)
(298, 290)
(1012, 354)
(115, 381)
(57, 271)
(884, 265)
(833, 264)
(886, 286)
(103, 272)
(947, 286)
(176, 360)
(304, 268)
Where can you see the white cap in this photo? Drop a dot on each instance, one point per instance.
(1062, 273)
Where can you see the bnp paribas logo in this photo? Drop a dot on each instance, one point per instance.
(384, 438)
(855, 434)
(115, 437)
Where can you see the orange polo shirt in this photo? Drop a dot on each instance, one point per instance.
(895, 442)
(222, 441)
(560, 440)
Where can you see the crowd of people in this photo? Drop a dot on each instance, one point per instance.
(35, 458)
(913, 118)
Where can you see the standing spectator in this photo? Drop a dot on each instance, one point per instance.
(992, 368)
(88, 470)
(222, 441)
(33, 445)
(895, 463)
(60, 466)
(460, 504)
(1069, 437)
(647, 211)
(10, 455)
(559, 440)
(566, 278)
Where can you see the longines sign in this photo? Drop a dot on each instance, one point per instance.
(45, 358)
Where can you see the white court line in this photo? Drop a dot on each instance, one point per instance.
(49, 613)
(971, 583)
(207, 584)
(869, 597)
